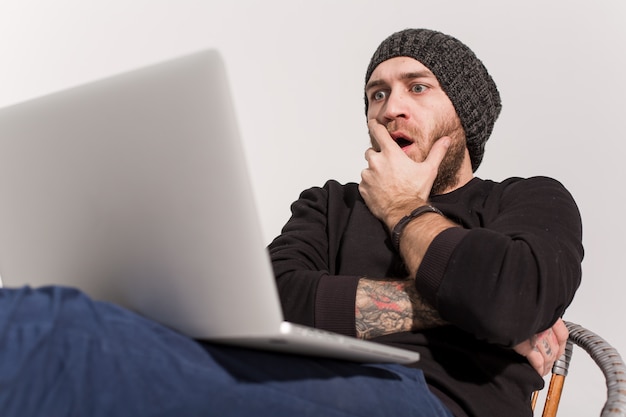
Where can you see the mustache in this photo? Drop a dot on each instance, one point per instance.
(449, 127)
(395, 125)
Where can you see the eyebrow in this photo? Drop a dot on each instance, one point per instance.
(404, 76)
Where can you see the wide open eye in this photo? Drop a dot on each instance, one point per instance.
(379, 95)
(418, 88)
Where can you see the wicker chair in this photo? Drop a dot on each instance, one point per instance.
(608, 360)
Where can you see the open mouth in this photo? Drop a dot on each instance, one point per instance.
(402, 142)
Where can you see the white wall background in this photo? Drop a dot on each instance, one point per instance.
(297, 68)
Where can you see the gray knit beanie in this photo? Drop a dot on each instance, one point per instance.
(462, 76)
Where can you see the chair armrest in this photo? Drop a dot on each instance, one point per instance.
(610, 363)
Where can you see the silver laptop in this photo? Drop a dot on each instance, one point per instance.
(135, 189)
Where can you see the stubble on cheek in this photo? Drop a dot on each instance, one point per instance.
(447, 176)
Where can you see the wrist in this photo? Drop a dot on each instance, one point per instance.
(400, 210)
(401, 224)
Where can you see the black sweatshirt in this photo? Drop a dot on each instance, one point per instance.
(507, 273)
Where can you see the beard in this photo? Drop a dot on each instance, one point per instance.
(447, 174)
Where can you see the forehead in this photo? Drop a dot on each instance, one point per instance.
(400, 68)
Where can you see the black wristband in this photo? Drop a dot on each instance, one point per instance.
(399, 227)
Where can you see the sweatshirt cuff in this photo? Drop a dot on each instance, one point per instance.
(433, 267)
(335, 304)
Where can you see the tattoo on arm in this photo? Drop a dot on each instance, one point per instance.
(384, 307)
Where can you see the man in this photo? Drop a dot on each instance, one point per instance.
(472, 274)
(474, 269)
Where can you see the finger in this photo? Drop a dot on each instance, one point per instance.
(562, 334)
(551, 347)
(362, 188)
(438, 151)
(373, 159)
(548, 351)
(538, 360)
(380, 136)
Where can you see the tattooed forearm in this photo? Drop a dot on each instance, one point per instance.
(384, 307)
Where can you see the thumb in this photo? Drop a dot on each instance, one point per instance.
(438, 151)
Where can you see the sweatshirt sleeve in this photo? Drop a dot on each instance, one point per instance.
(513, 276)
(309, 294)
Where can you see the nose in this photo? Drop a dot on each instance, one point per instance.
(396, 106)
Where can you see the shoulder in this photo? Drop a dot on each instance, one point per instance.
(333, 190)
(342, 188)
(532, 182)
(517, 186)
(543, 198)
(482, 202)
(515, 183)
(540, 187)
